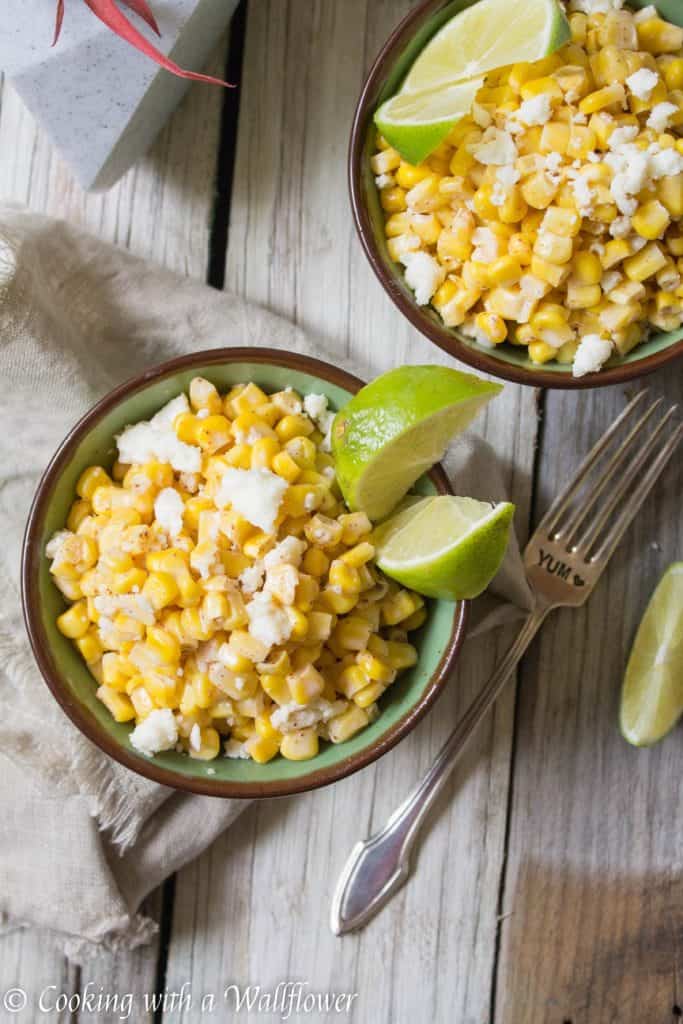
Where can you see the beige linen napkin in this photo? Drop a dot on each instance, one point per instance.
(83, 840)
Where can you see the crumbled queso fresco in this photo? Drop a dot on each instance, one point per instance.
(550, 217)
(223, 597)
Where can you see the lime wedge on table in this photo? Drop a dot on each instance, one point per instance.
(489, 34)
(445, 547)
(397, 427)
(416, 123)
(652, 695)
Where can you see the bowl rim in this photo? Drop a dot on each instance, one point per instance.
(441, 336)
(82, 719)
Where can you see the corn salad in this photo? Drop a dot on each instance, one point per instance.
(222, 595)
(550, 218)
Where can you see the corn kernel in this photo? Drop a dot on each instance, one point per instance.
(117, 704)
(300, 745)
(651, 220)
(343, 727)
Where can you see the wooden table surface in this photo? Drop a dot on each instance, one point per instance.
(548, 888)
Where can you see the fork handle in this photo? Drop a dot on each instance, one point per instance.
(377, 867)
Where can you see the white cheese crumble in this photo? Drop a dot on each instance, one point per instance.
(251, 579)
(486, 245)
(625, 133)
(134, 605)
(495, 147)
(236, 749)
(610, 281)
(289, 551)
(537, 110)
(54, 546)
(290, 717)
(268, 622)
(620, 227)
(660, 116)
(645, 13)
(157, 732)
(642, 83)
(592, 352)
(168, 510)
(384, 180)
(423, 275)
(255, 493)
(583, 194)
(155, 439)
(196, 737)
(664, 162)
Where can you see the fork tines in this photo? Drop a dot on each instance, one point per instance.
(632, 454)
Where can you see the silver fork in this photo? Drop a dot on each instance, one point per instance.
(563, 561)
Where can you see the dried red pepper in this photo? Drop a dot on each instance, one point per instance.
(108, 12)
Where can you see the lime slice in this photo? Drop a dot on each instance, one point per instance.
(652, 695)
(490, 34)
(397, 427)
(416, 123)
(445, 546)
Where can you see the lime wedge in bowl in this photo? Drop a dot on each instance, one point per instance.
(489, 34)
(397, 427)
(416, 123)
(652, 695)
(445, 547)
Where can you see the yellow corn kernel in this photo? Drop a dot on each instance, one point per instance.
(673, 73)
(582, 296)
(209, 745)
(351, 680)
(541, 86)
(651, 220)
(369, 694)
(79, 511)
(315, 562)
(396, 607)
(323, 531)
(408, 175)
(555, 137)
(306, 684)
(578, 24)
(355, 526)
(492, 326)
(74, 622)
(393, 200)
(303, 451)
(90, 647)
(645, 263)
(263, 451)
(615, 251)
(117, 704)
(257, 544)
(538, 190)
(658, 36)
(160, 589)
(185, 426)
(343, 577)
(401, 655)
(506, 270)
(608, 96)
(247, 397)
(563, 222)
(203, 395)
(670, 194)
(358, 555)
(343, 727)
(90, 479)
(483, 203)
(300, 745)
(375, 668)
(307, 590)
(141, 700)
(553, 273)
(277, 687)
(128, 582)
(214, 433)
(386, 161)
(587, 268)
(117, 671)
(549, 316)
(300, 499)
(164, 645)
(284, 465)
(192, 626)
(553, 248)
(514, 208)
(239, 456)
(416, 620)
(540, 352)
(338, 604)
(71, 589)
(352, 633)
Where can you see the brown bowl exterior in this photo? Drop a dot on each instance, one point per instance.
(440, 335)
(32, 554)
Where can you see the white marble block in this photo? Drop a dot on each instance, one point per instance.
(101, 101)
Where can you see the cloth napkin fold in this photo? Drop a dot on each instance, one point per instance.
(84, 840)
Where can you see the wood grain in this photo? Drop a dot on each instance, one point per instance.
(163, 210)
(255, 908)
(593, 897)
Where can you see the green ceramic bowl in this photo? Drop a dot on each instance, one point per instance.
(507, 361)
(92, 442)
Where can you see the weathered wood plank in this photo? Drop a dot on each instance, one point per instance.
(162, 209)
(31, 964)
(255, 908)
(593, 888)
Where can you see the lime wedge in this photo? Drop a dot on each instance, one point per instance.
(652, 695)
(445, 547)
(416, 123)
(397, 427)
(489, 34)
